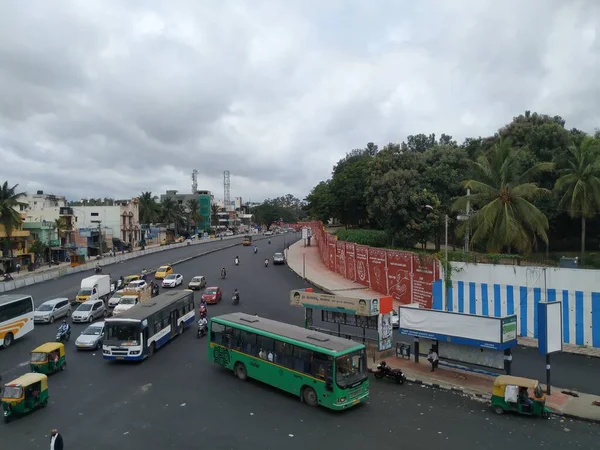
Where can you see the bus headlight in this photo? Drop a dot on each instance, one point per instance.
(342, 400)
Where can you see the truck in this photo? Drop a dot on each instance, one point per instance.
(93, 288)
(131, 297)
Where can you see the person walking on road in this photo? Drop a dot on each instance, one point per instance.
(56, 440)
(433, 358)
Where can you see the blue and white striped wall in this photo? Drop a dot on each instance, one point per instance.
(581, 310)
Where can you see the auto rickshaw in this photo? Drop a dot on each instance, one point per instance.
(48, 358)
(128, 279)
(511, 394)
(23, 395)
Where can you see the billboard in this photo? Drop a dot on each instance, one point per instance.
(550, 327)
(357, 306)
(385, 331)
(496, 333)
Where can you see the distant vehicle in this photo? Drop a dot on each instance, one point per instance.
(247, 240)
(137, 285)
(115, 299)
(51, 310)
(16, 317)
(140, 331)
(197, 282)
(129, 278)
(96, 287)
(172, 280)
(89, 311)
(212, 295)
(268, 233)
(278, 258)
(162, 272)
(318, 368)
(228, 233)
(91, 337)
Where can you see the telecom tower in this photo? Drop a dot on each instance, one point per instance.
(226, 193)
(194, 181)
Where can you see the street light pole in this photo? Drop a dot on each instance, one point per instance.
(446, 266)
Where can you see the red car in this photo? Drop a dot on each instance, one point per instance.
(212, 295)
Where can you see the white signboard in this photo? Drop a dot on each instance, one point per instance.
(550, 327)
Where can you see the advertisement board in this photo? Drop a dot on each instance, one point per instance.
(385, 331)
(357, 306)
(550, 327)
(464, 329)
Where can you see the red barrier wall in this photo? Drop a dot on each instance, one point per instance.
(405, 276)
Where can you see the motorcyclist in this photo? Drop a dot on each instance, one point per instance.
(64, 327)
(266, 262)
(236, 295)
(203, 322)
(255, 249)
(98, 268)
(203, 304)
(269, 241)
(223, 272)
(237, 260)
(8, 277)
(382, 366)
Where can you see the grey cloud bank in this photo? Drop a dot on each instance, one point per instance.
(109, 98)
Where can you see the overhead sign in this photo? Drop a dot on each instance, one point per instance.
(496, 333)
(550, 330)
(357, 306)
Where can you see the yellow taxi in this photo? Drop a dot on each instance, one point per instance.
(162, 272)
(128, 279)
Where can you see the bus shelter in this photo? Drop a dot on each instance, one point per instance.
(360, 313)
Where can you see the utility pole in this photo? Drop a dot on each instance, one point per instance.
(101, 246)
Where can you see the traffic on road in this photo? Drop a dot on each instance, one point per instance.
(177, 398)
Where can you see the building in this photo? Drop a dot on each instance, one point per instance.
(129, 211)
(205, 200)
(40, 201)
(15, 246)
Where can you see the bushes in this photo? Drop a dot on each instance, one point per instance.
(372, 238)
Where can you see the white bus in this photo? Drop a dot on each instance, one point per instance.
(141, 330)
(16, 317)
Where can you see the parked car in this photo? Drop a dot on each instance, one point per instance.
(89, 311)
(91, 337)
(197, 282)
(173, 280)
(51, 310)
(278, 258)
(212, 295)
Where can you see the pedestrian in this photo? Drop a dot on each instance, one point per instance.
(56, 440)
(433, 358)
(18, 267)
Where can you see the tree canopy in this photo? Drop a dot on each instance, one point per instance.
(527, 184)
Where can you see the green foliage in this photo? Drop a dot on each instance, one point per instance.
(9, 206)
(372, 238)
(38, 248)
(150, 211)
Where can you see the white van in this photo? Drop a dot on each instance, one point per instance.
(51, 310)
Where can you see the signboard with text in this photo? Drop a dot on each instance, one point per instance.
(357, 306)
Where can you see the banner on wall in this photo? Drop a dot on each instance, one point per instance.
(385, 331)
(357, 306)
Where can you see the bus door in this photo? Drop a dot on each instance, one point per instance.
(145, 336)
(174, 317)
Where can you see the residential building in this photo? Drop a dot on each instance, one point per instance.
(15, 246)
(205, 200)
(40, 201)
(129, 211)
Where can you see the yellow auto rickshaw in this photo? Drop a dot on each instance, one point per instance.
(128, 279)
(512, 394)
(23, 395)
(48, 358)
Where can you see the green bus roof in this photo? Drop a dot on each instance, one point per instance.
(294, 334)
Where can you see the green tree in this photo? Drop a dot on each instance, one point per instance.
(173, 214)
(319, 203)
(214, 213)
(267, 214)
(60, 225)
(579, 184)
(38, 248)
(149, 208)
(10, 217)
(193, 213)
(502, 193)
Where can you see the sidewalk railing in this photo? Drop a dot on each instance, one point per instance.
(19, 283)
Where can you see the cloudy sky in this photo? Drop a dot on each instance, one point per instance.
(111, 98)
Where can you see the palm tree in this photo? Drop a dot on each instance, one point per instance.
(214, 213)
(60, 225)
(193, 207)
(173, 213)
(579, 184)
(501, 192)
(149, 208)
(10, 217)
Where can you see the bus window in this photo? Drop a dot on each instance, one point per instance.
(216, 332)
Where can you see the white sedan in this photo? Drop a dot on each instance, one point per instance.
(172, 280)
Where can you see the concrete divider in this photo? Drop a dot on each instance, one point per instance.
(7, 286)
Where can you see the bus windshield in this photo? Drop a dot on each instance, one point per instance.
(351, 368)
(122, 332)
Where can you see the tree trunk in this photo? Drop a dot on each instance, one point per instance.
(582, 238)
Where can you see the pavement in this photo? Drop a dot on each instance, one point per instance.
(574, 371)
(177, 399)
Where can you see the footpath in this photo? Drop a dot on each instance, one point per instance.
(45, 273)
(306, 263)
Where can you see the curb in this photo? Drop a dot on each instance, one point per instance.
(488, 397)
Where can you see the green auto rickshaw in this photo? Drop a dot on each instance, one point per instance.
(48, 358)
(512, 394)
(25, 394)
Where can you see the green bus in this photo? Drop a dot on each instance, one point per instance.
(320, 369)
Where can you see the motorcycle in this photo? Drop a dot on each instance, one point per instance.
(202, 328)
(98, 270)
(235, 299)
(255, 250)
(155, 290)
(203, 311)
(236, 261)
(385, 371)
(63, 335)
(223, 274)
(7, 277)
(266, 263)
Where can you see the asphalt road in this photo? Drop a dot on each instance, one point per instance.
(176, 399)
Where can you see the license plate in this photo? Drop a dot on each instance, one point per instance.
(120, 357)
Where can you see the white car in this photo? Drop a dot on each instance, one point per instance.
(173, 280)
(268, 233)
(395, 319)
(115, 299)
(137, 285)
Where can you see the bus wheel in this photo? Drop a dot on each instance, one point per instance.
(240, 371)
(310, 396)
(7, 340)
(181, 328)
